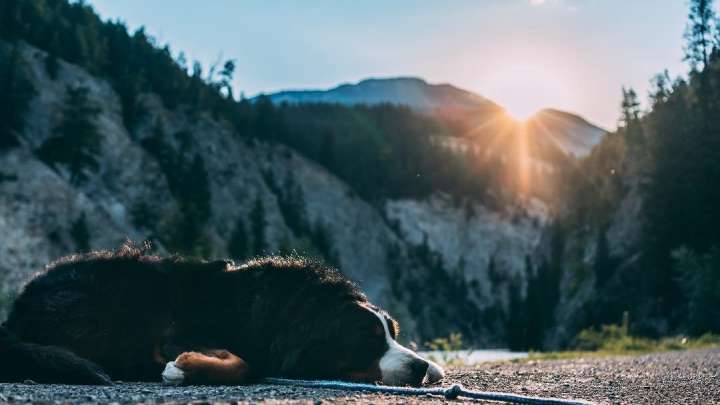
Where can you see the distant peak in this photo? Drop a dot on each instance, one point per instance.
(399, 79)
(411, 91)
(566, 115)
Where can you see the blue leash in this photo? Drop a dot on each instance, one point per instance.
(453, 392)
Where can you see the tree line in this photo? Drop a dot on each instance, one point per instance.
(668, 281)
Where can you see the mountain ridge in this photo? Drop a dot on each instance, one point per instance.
(412, 91)
(572, 133)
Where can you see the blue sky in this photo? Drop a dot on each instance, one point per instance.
(524, 54)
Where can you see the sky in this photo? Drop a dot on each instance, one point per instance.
(573, 55)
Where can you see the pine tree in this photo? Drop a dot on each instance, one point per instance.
(630, 116)
(81, 234)
(323, 243)
(661, 88)
(700, 34)
(16, 91)
(238, 244)
(77, 142)
(603, 263)
(52, 66)
(226, 78)
(630, 107)
(257, 227)
(327, 150)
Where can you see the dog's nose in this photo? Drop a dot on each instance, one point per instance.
(418, 369)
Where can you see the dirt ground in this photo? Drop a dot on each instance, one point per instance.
(680, 377)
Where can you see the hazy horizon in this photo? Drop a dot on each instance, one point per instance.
(573, 55)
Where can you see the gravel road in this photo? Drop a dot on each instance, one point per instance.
(681, 377)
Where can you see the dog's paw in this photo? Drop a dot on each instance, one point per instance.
(173, 375)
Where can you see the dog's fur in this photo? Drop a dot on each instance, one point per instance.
(130, 316)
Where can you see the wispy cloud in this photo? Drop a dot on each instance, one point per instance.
(568, 5)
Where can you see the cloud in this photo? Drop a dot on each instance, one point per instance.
(569, 5)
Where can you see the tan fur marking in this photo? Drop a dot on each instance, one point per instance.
(217, 367)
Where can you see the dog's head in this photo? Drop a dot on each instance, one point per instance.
(313, 323)
(357, 341)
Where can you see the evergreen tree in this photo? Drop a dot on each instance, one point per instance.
(661, 88)
(323, 243)
(291, 201)
(226, 78)
(516, 330)
(700, 280)
(194, 192)
(630, 123)
(630, 107)
(76, 143)
(81, 234)
(603, 265)
(52, 66)
(257, 227)
(327, 150)
(700, 33)
(238, 244)
(16, 91)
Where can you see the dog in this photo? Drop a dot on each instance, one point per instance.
(132, 316)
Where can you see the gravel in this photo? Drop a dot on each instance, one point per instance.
(680, 377)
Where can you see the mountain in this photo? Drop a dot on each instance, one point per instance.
(571, 133)
(410, 91)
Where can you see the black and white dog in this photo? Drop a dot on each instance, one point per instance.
(126, 315)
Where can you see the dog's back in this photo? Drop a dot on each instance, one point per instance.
(100, 311)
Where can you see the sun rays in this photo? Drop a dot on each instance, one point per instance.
(515, 145)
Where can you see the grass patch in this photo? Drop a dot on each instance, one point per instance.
(613, 340)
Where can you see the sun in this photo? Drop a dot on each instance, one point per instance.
(524, 88)
(521, 114)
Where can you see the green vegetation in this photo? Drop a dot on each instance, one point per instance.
(76, 143)
(258, 223)
(16, 91)
(446, 344)
(530, 316)
(700, 284)
(612, 340)
(188, 182)
(239, 244)
(81, 234)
